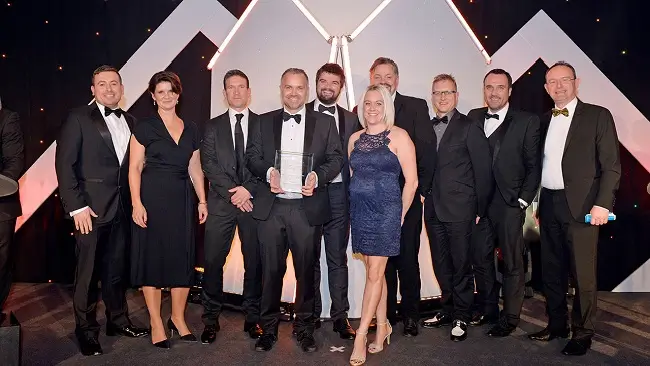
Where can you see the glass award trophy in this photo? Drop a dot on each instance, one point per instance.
(293, 168)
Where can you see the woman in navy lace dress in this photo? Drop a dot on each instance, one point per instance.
(378, 154)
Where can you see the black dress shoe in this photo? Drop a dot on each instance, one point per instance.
(189, 337)
(307, 342)
(89, 346)
(481, 319)
(265, 342)
(410, 327)
(501, 330)
(209, 333)
(128, 331)
(439, 320)
(317, 324)
(547, 335)
(254, 331)
(344, 329)
(577, 347)
(458, 331)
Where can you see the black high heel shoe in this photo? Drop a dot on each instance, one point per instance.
(163, 344)
(189, 337)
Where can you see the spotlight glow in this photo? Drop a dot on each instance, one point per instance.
(462, 21)
(234, 29)
(313, 20)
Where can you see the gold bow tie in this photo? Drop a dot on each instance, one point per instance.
(556, 112)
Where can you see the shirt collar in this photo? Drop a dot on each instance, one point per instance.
(449, 115)
(571, 107)
(318, 102)
(502, 112)
(300, 112)
(232, 113)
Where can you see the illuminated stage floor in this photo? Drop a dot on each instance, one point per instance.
(45, 311)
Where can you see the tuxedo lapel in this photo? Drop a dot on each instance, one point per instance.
(450, 130)
(277, 130)
(224, 138)
(310, 127)
(500, 134)
(342, 123)
(398, 104)
(100, 124)
(574, 124)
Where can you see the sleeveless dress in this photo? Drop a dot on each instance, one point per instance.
(375, 197)
(162, 254)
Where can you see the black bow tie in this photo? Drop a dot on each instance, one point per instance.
(437, 121)
(488, 116)
(286, 116)
(322, 108)
(118, 112)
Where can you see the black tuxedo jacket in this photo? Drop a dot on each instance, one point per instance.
(348, 124)
(12, 160)
(220, 164)
(412, 114)
(87, 168)
(591, 165)
(462, 179)
(516, 155)
(321, 139)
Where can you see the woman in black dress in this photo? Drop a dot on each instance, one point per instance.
(164, 156)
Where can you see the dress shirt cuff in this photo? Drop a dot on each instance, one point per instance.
(522, 203)
(268, 175)
(78, 211)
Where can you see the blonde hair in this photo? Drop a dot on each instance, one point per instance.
(389, 107)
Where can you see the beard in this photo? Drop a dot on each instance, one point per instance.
(328, 101)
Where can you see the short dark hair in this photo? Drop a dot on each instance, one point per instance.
(562, 63)
(232, 73)
(295, 70)
(499, 72)
(331, 68)
(105, 68)
(166, 76)
(384, 61)
(445, 77)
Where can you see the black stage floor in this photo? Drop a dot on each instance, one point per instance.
(45, 312)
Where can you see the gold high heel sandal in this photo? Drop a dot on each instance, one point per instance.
(358, 361)
(376, 348)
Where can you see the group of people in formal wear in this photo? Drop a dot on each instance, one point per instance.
(375, 174)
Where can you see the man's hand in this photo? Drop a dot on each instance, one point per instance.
(310, 184)
(83, 221)
(246, 206)
(240, 195)
(599, 215)
(274, 181)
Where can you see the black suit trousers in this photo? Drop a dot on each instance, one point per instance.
(568, 246)
(219, 233)
(450, 244)
(6, 258)
(336, 233)
(287, 228)
(406, 266)
(102, 255)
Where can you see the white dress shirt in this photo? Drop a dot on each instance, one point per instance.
(120, 134)
(491, 124)
(552, 177)
(244, 124)
(338, 178)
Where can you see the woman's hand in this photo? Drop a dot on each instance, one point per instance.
(139, 215)
(203, 212)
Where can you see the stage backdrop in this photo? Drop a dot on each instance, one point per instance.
(425, 37)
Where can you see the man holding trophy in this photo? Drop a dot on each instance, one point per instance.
(297, 152)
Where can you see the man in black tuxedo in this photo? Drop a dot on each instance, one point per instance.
(12, 163)
(411, 114)
(92, 165)
(581, 170)
(456, 201)
(516, 167)
(230, 205)
(292, 219)
(330, 79)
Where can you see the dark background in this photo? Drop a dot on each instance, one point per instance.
(49, 49)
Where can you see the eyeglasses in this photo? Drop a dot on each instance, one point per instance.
(444, 92)
(564, 80)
